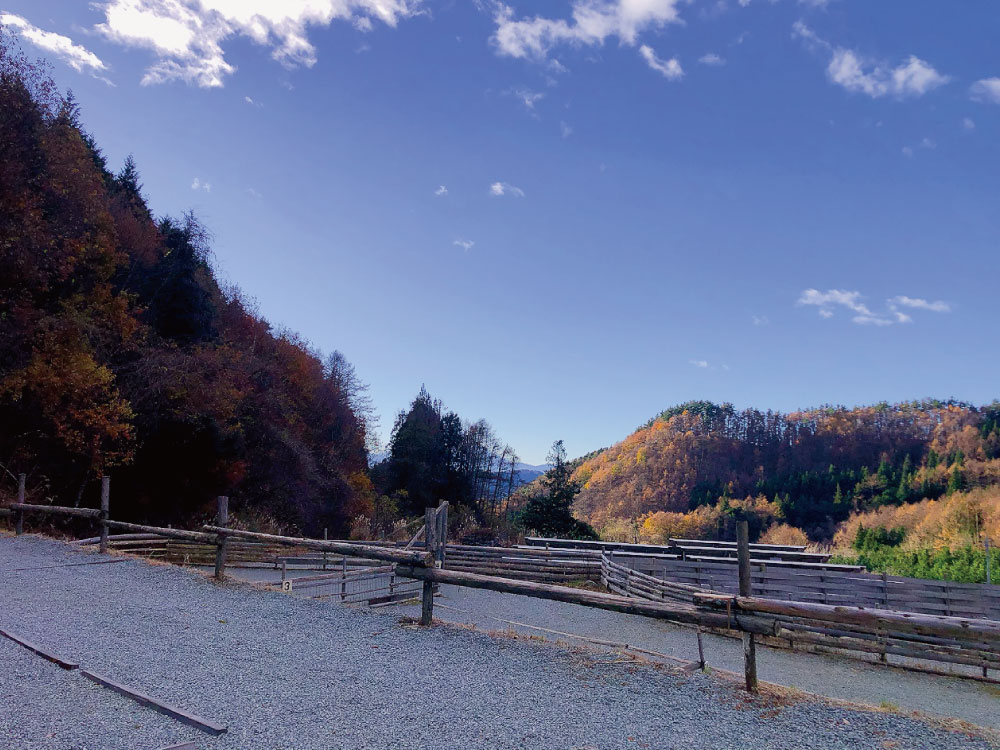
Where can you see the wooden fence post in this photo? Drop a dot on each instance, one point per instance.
(989, 578)
(442, 531)
(222, 519)
(19, 514)
(430, 544)
(105, 511)
(325, 538)
(749, 645)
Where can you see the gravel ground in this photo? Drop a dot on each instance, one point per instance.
(286, 672)
(841, 678)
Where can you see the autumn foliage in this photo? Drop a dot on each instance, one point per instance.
(696, 469)
(121, 353)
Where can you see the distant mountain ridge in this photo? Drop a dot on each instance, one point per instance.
(528, 472)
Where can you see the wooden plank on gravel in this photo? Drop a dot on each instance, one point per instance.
(205, 725)
(45, 654)
(68, 565)
(182, 746)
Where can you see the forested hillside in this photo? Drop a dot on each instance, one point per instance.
(121, 353)
(694, 469)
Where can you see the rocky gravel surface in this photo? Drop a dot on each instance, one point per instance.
(287, 672)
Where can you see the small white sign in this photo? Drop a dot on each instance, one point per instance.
(286, 585)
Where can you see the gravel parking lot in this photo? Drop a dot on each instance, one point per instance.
(286, 672)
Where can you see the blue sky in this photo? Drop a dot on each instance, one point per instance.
(566, 215)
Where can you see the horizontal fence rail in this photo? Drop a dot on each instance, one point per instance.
(828, 586)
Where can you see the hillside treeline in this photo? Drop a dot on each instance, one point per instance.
(695, 469)
(121, 353)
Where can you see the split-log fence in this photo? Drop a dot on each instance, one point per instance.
(921, 636)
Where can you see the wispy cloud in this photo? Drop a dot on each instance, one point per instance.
(464, 244)
(79, 58)
(565, 130)
(711, 59)
(669, 69)
(592, 23)
(986, 90)
(505, 188)
(918, 303)
(527, 97)
(187, 36)
(252, 102)
(441, 190)
(968, 124)
(859, 74)
(829, 300)
(254, 194)
(760, 320)
(197, 184)
(704, 364)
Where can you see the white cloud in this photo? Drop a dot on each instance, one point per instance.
(968, 124)
(907, 151)
(760, 320)
(669, 69)
(77, 57)
(920, 304)
(711, 58)
(253, 193)
(442, 190)
(187, 36)
(505, 188)
(464, 244)
(871, 320)
(528, 97)
(927, 143)
(863, 315)
(848, 69)
(592, 22)
(565, 130)
(704, 364)
(826, 300)
(197, 184)
(986, 90)
(252, 102)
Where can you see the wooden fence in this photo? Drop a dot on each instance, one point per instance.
(852, 629)
(229, 541)
(370, 585)
(826, 585)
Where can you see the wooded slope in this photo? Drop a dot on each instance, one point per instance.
(121, 353)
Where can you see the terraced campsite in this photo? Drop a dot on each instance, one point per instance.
(280, 670)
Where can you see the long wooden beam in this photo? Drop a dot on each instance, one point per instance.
(407, 557)
(42, 652)
(193, 536)
(673, 611)
(60, 509)
(906, 622)
(186, 717)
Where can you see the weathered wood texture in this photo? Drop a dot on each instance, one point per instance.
(57, 510)
(105, 512)
(824, 586)
(186, 717)
(372, 585)
(222, 519)
(411, 557)
(749, 645)
(40, 651)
